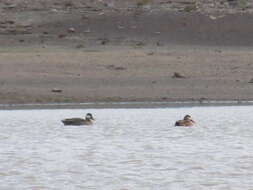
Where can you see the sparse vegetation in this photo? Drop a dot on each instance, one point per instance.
(190, 8)
(242, 3)
(143, 2)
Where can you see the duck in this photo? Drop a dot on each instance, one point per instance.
(79, 121)
(187, 121)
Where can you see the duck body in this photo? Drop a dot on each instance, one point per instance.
(186, 122)
(76, 121)
(79, 121)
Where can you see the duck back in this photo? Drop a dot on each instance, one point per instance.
(75, 121)
(184, 123)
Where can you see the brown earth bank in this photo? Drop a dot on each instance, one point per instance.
(83, 51)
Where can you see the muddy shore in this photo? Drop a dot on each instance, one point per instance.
(101, 53)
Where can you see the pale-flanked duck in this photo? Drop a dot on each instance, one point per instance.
(187, 121)
(79, 121)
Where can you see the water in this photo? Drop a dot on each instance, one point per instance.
(127, 149)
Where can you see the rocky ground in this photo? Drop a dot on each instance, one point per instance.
(143, 50)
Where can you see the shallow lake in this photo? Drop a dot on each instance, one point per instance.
(127, 149)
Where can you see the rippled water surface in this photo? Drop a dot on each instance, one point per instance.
(127, 149)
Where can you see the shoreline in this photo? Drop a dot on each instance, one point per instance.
(152, 53)
(125, 105)
(142, 75)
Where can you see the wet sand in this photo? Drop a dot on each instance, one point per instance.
(123, 105)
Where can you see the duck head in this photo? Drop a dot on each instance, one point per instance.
(187, 117)
(89, 116)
